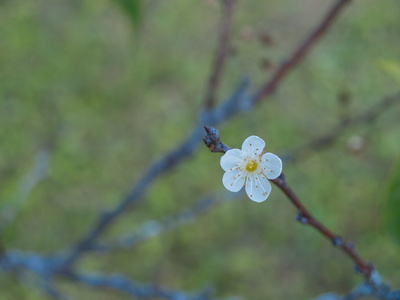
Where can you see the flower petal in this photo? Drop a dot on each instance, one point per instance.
(231, 159)
(258, 188)
(233, 180)
(253, 146)
(271, 165)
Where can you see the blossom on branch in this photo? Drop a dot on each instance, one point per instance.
(250, 167)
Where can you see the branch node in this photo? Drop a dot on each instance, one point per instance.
(213, 141)
(358, 269)
(301, 218)
(337, 241)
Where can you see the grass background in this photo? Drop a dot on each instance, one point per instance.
(109, 97)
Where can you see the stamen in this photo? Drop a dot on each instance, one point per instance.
(252, 166)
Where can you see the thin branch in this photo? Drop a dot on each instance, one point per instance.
(138, 290)
(238, 102)
(48, 268)
(165, 163)
(161, 166)
(153, 228)
(363, 290)
(221, 53)
(26, 185)
(213, 141)
(299, 54)
(304, 215)
(329, 138)
(51, 289)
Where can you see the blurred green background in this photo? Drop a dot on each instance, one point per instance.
(107, 88)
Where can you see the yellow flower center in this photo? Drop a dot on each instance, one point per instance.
(251, 166)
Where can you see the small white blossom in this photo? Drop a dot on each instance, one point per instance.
(251, 168)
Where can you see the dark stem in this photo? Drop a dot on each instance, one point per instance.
(187, 148)
(306, 218)
(214, 143)
(221, 53)
(299, 54)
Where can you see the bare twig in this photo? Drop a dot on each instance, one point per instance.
(304, 215)
(26, 185)
(153, 228)
(221, 53)
(47, 268)
(368, 116)
(299, 54)
(165, 163)
(213, 141)
(366, 289)
(51, 290)
(124, 284)
(239, 101)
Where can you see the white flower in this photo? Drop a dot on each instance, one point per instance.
(250, 168)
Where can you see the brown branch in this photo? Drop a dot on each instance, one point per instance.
(238, 102)
(221, 53)
(301, 51)
(305, 217)
(214, 143)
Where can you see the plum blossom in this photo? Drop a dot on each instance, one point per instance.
(250, 167)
